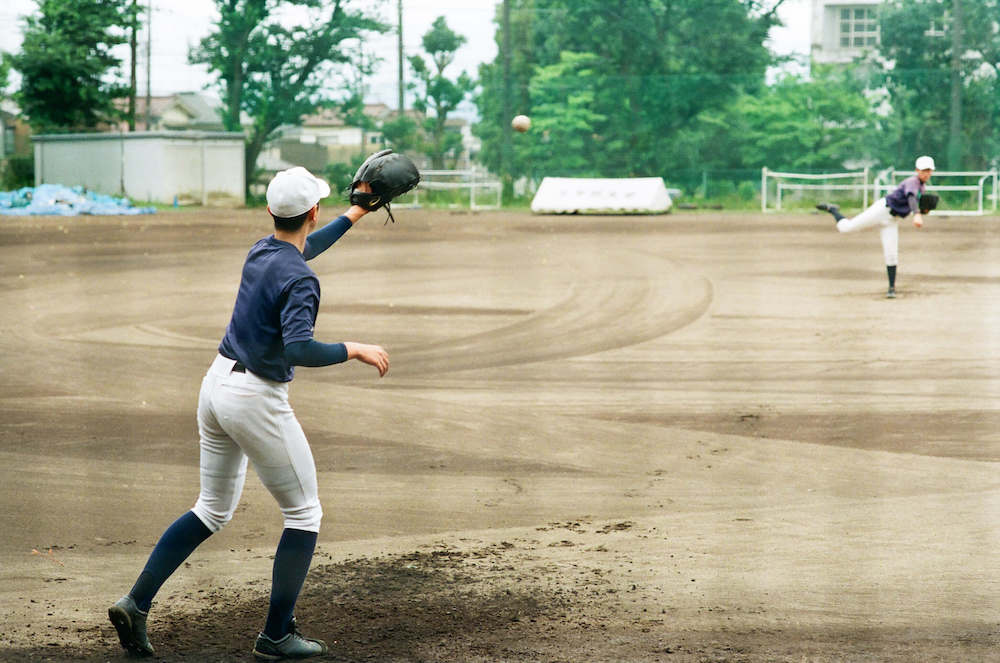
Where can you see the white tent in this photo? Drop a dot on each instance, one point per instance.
(579, 195)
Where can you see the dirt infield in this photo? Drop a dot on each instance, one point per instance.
(693, 437)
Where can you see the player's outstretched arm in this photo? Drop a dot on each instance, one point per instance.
(319, 241)
(375, 355)
(314, 353)
(914, 201)
(322, 239)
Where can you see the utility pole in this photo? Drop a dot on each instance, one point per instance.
(133, 47)
(955, 114)
(362, 119)
(399, 33)
(505, 148)
(149, 61)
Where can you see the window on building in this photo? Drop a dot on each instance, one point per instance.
(858, 27)
(936, 29)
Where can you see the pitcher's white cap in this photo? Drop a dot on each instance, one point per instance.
(925, 162)
(295, 191)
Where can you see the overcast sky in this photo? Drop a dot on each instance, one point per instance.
(179, 24)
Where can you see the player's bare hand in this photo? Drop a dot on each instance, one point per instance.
(918, 220)
(374, 355)
(355, 212)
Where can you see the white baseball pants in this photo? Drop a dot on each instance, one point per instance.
(241, 416)
(877, 215)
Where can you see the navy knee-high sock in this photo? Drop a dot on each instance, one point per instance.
(891, 271)
(176, 544)
(291, 564)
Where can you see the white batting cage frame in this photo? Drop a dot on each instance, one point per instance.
(474, 186)
(974, 184)
(855, 182)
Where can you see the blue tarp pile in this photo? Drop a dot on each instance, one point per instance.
(58, 200)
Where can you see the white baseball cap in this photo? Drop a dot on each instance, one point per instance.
(295, 191)
(925, 162)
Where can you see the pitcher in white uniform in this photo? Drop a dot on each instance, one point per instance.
(885, 213)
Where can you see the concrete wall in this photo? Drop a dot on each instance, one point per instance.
(199, 167)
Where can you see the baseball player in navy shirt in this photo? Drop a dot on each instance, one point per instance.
(885, 212)
(244, 413)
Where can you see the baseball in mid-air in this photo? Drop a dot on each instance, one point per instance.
(521, 123)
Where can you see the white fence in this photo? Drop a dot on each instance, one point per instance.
(481, 190)
(854, 181)
(976, 191)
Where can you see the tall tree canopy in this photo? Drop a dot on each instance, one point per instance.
(276, 72)
(630, 75)
(942, 79)
(436, 92)
(825, 123)
(69, 80)
(4, 73)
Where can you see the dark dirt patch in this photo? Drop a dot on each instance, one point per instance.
(391, 608)
(498, 603)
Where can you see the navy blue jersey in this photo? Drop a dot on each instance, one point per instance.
(906, 198)
(277, 304)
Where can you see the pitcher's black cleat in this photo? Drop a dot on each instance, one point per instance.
(130, 622)
(292, 646)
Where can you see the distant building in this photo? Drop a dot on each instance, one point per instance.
(842, 30)
(324, 137)
(182, 111)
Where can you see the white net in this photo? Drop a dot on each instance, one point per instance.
(785, 191)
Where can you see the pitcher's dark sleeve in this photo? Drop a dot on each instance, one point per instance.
(314, 353)
(299, 310)
(322, 239)
(913, 188)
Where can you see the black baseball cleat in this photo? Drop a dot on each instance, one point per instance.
(891, 294)
(828, 207)
(130, 622)
(292, 646)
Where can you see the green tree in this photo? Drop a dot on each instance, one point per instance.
(825, 123)
(564, 117)
(4, 73)
(942, 79)
(273, 72)
(401, 133)
(494, 88)
(352, 108)
(647, 81)
(436, 92)
(69, 78)
(339, 174)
